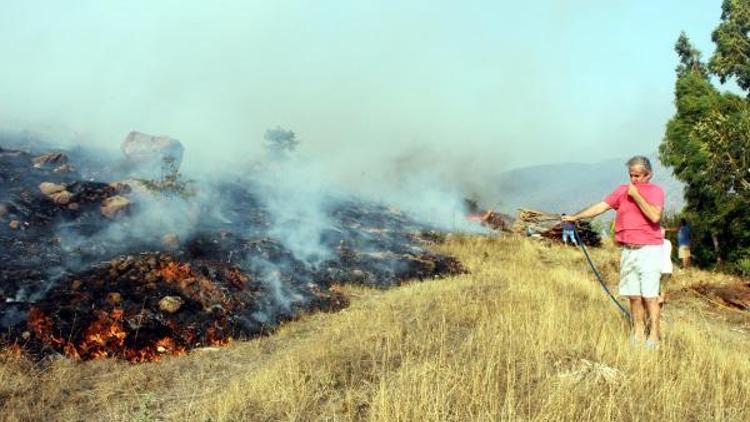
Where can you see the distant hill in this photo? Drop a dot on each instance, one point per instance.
(569, 187)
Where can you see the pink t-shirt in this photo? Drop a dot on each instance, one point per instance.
(631, 225)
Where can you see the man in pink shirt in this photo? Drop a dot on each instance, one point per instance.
(639, 208)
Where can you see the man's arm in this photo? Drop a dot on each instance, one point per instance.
(652, 212)
(589, 212)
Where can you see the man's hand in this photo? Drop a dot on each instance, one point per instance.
(633, 191)
(651, 212)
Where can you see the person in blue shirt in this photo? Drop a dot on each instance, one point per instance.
(568, 232)
(683, 243)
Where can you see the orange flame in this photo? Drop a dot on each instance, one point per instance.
(13, 350)
(214, 338)
(173, 271)
(237, 278)
(103, 337)
(38, 322)
(41, 325)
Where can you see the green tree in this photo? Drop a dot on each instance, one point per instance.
(707, 141)
(725, 134)
(695, 98)
(690, 58)
(732, 55)
(280, 142)
(686, 148)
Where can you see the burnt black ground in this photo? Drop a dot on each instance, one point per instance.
(64, 261)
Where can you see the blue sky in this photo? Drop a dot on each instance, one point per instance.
(478, 85)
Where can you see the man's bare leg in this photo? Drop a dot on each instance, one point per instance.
(662, 282)
(654, 313)
(638, 313)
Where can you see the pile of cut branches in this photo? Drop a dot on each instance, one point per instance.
(539, 223)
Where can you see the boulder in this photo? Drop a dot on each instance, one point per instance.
(171, 304)
(49, 188)
(56, 192)
(114, 205)
(61, 198)
(157, 155)
(53, 159)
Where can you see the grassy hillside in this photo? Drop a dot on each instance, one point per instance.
(527, 335)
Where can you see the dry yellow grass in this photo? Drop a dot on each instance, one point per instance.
(528, 335)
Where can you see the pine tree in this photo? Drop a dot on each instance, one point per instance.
(732, 55)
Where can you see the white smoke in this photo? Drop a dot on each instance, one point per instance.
(294, 192)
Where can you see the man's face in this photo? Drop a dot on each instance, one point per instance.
(638, 174)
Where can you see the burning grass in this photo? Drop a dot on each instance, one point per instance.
(528, 334)
(130, 309)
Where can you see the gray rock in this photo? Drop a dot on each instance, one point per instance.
(153, 156)
(171, 304)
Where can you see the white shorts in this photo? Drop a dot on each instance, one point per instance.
(640, 271)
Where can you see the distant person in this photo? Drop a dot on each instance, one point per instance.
(569, 232)
(639, 206)
(666, 266)
(683, 243)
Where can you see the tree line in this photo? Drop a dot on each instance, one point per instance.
(707, 141)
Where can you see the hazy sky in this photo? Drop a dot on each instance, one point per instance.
(481, 84)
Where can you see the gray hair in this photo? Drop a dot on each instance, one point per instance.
(640, 160)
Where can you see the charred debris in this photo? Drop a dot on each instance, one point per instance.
(95, 262)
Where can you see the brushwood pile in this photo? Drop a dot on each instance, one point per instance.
(549, 225)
